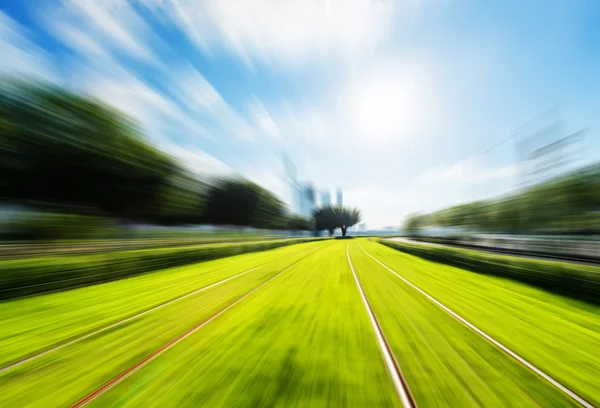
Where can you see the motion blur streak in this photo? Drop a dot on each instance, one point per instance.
(161, 159)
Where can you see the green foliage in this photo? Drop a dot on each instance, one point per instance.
(579, 281)
(413, 224)
(29, 276)
(297, 223)
(179, 201)
(243, 203)
(64, 151)
(332, 217)
(325, 219)
(568, 204)
(347, 217)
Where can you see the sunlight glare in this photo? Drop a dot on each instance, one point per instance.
(387, 108)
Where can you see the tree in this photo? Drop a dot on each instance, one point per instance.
(567, 204)
(330, 218)
(325, 219)
(297, 223)
(180, 201)
(347, 217)
(270, 211)
(62, 151)
(242, 203)
(413, 224)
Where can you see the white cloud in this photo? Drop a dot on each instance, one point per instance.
(305, 123)
(19, 54)
(262, 119)
(197, 160)
(12, 31)
(471, 170)
(161, 117)
(289, 32)
(194, 91)
(107, 77)
(269, 180)
(117, 23)
(153, 109)
(387, 203)
(380, 206)
(78, 40)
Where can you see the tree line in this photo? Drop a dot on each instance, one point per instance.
(67, 153)
(569, 204)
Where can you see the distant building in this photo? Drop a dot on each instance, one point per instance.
(340, 202)
(306, 200)
(325, 198)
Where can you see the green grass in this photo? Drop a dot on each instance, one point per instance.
(64, 376)
(36, 323)
(444, 362)
(558, 334)
(303, 340)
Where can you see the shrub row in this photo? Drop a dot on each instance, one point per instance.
(38, 275)
(65, 248)
(575, 280)
(555, 248)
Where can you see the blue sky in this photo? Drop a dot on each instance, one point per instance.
(394, 101)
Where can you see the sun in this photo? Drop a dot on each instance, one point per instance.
(387, 108)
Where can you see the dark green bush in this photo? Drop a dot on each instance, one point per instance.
(31, 276)
(575, 280)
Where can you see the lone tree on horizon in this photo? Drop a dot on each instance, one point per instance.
(330, 218)
(347, 217)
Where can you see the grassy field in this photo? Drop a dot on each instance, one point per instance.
(430, 346)
(62, 376)
(299, 336)
(305, 340)
(558, 334)
(58, 317)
